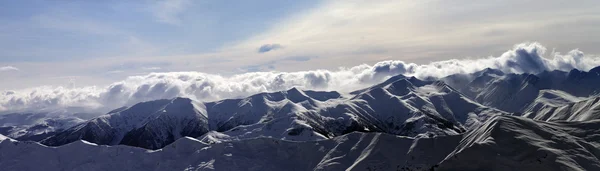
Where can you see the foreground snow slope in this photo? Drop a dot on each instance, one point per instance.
(356, 151)
(501, 143)
(517, 143)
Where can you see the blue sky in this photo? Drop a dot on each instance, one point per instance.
(74, 30)
(96, 43)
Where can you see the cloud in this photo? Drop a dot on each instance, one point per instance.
(8, 68)
(402, 30)
(269, 47)
(168, 11)
(526, 57)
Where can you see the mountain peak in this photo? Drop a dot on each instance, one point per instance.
(595, 70)
(294, 90)
(296, 95)
(383, 84)
(181, 100)
(488, 71)
(575, 73)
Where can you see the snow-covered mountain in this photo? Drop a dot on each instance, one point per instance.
(517, 143)
(37, 126)
(356, 151)
(282, 115)
(572, 109)
(487, 120)
(516, 92)
(501, 143)
(550, 99)
(155, 124)
(149, 125)
(410, 107)
(400, 106)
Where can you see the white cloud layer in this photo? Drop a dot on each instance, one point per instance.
(526, 57)
(8, 68)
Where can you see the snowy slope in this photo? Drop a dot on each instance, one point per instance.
(490, 87)
(574, 110)
(516, 92)
(459, 81)
(449, 125)
(150, 125)
(517, 143)
(157, 123)
(501, 143)
(411, 107)
(357, 151)
(2, 137)
(36, 126)
(400, 106)
(551, 98)
(580, 83)
(510, 92)
(277, 114)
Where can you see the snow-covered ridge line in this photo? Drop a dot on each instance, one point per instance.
(400, 106)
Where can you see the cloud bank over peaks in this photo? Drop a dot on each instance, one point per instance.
(526, 57)
(523, 58)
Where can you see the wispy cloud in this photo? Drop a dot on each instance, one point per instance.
(168, 11)
(8, 68)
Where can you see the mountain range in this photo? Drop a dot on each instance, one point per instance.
(486, 120)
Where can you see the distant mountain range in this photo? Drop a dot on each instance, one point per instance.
(487, 120)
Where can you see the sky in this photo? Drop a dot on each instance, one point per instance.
(71, 53)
